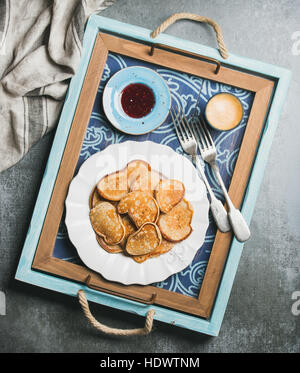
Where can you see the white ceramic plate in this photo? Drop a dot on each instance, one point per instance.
(118, 267)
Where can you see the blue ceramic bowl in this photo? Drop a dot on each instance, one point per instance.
(112, 100)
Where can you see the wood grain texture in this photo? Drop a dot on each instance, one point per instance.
(72, 151)
(80, 273)
(189, 65)
(236, 191)
(44, 261)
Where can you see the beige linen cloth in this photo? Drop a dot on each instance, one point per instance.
(40, 49)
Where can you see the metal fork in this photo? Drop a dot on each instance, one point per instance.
(189, 145)
(209, 154)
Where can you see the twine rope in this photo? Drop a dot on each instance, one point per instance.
(114, 331)
(177, 16)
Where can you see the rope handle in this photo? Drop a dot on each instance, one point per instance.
(177, 16)
(113, 331)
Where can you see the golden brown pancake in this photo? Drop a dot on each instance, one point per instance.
(116, 185)
(168, 193)
(163, 248)
(140, 206)
(113, 186)
(175, 226)
(112, 249)
(146, 181)
(135, 169)
(94, 198)
(129, 229)
(107, 223)
(119, 248)
(145, 240)
(139, 194)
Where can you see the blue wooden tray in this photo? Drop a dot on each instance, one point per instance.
(184, 88)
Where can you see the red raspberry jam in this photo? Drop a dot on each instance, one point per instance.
(137, 100)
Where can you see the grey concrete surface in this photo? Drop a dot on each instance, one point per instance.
(259, 316)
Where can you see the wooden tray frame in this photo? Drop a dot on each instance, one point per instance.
(43, 260)
(105, 43)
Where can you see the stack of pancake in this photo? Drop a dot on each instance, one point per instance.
(137, 212)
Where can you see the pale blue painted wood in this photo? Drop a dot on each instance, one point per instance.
(24, 272)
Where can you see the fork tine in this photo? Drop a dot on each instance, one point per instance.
(203, 134)
(177, 126)
(193, 127)
(185, 123)
(181, 126)
(202, 140)
(204, 126)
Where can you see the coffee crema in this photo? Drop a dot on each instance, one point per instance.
(224, 111)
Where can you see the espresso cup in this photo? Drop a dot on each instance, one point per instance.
(224, 111)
